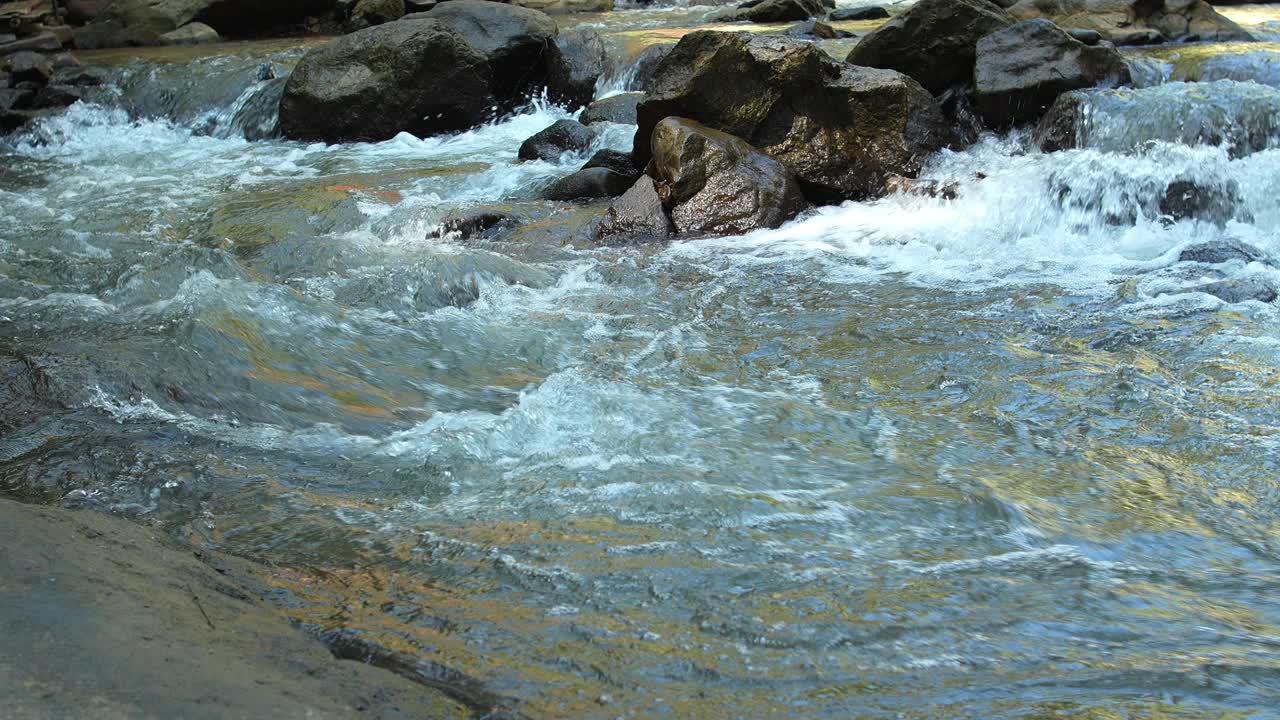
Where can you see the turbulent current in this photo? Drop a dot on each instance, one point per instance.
(1012, 454)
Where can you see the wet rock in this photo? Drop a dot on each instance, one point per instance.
(1216, 252)
(55, 96)
(195, 33)
(367, 13)
(619, 109)
(840, 129)
(27, 66)
(594, 182)
(639, 212)
(934, 42)
(259, 118)
(1088, 37)
(771, 11)
(416, 76)
(117, 629)
(874, 12)
(717, 183)
(514, 41)
(45, 42)
(475, 223)
(1021, 70)
(616, 160)
(575, 62)
(1139, 37)
(1115, 19)
(814, 30)
(561, 137)
(80, 76)
(922, 188)
(646, 66)
(1192, 200)
(1238, 290)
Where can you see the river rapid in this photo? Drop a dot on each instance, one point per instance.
(1008, 455)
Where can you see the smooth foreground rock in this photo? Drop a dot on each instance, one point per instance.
(638, 212)
(619, 109)
(934, 42)
(102, 618)
(1116, 20)
(1021, 70)
(717, 183)
(840, 129)
(514, 41)
(417, 76)
(551, 142)
(575, 61)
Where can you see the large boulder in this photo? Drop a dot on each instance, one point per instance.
(1117, 20)
(576, 59)
(771, 11)
(1021, 70)
(414, 75)
(514, 40)
(645, 66)
(933, 42)
(551, 142)
(840, 129)
(717, 183)
(595, 182)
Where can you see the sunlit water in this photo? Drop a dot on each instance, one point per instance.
(998, 456)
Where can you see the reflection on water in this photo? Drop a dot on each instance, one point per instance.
(1008, 455)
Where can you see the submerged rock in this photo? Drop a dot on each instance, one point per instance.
(475, 223)
(1021, 70)
(1215, 252)
(414, 75)
(840, 129)
(717, 183)
(933, 42)
(551, 142)
(1210, 202)
(639, 212)
(1118, 20)
(1238, 290)
(619, 109)
(576, 61)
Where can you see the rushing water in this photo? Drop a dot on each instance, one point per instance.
(1008, 455)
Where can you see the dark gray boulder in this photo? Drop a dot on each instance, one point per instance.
(840, 129)
(619, 109)
(638, 213)
(615, 160)
(873, 12)
(595, 182)
(514, 40)
(716, 183)
(933, 42)
(475, 223)
(416, 76)
(575, 62)
(771, 11)
(1021, 70)
(551, 142)
(814, 30)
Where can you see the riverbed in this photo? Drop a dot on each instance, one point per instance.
(1003, 455)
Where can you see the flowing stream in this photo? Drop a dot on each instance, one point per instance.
(1008, 455)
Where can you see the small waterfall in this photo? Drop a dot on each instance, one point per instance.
(1241, 116)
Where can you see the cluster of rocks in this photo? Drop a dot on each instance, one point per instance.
(37, 76)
